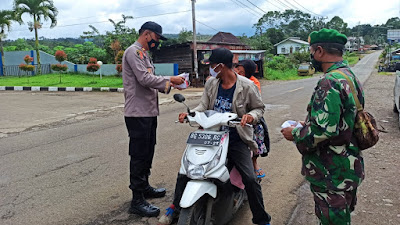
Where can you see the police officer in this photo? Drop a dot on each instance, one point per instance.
(332, 161)
(141, 89)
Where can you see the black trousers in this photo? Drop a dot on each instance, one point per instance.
(142, 140)
(239, 155)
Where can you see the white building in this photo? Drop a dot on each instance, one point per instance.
(393, 36)
(290, 46)
(353, 43)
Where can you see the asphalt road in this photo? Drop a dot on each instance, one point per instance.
(77, 171)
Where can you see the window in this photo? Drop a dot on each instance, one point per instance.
(283, 50)
(304, 67)
(297, 49)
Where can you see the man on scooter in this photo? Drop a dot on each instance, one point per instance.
(227, 91)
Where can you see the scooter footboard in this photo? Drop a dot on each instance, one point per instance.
(195, 189)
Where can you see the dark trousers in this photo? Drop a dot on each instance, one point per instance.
(142, 140)
(239, 155)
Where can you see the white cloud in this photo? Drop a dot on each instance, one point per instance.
(223, 15)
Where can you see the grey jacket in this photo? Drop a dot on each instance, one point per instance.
(246, 100)
(141, 86)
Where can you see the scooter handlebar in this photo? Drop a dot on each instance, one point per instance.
(233, 123)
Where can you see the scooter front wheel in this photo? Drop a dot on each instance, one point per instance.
(195, 214)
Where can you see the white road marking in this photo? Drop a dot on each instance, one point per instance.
(294, 90)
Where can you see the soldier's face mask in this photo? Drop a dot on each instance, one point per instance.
(316, 64)
(212, 70)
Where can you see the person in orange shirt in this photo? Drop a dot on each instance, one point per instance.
(247, 68)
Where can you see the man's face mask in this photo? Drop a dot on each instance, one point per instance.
(316, 64)
(153, 45)
(212, 71)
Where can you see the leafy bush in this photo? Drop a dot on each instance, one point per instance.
(300, 57)
(92, 65)
(118, 57)
(59, 67)
(28, 59)
(60, 56)
(119, 68)
(280, 63)
(26, 67)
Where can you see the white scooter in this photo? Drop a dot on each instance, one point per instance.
(209, 196)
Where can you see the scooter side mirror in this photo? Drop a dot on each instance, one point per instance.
(179, 98)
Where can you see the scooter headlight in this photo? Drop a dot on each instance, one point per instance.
(196, 172)
(193, 171)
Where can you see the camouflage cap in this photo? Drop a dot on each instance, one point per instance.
(327, 36)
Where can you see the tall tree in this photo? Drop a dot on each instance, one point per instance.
(39, 10)
(338, 24)
(292, 23)
(393, 23)
(6, 17)
(275, 35)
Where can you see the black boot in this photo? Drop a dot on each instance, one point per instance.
(151, 192)
(141, 207)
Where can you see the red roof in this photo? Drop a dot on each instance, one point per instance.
(224, 37)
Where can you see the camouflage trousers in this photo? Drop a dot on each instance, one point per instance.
(334, 208)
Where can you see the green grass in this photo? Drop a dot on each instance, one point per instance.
(291, 74)
(386, 73)
(351, 59)
(67, 80)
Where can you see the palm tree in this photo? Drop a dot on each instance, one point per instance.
(6, 17)
(38, 9)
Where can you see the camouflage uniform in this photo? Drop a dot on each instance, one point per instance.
(332, 162)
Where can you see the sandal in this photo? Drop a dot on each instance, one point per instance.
(260, 173)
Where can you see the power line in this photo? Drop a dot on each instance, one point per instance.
(281, 3)
(257, 6)
(247, 8)
(292, 6)
(162, 3)
(82, 18)
(207, 26)
(306, 8)
(106, 21)
(275, 5)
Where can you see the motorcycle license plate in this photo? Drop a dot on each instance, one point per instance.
(204, 139)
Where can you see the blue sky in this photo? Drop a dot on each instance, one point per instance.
(235, 16)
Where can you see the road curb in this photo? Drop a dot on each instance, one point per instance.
(67, 89)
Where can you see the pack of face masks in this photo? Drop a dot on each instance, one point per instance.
(291, 123)
(185, 84)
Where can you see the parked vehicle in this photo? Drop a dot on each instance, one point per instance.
(305, 69)
(396, 94)
(209, 197)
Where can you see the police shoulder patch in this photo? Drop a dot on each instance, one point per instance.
(139, 53)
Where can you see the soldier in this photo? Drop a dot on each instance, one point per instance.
(141, 111)
(332, 162)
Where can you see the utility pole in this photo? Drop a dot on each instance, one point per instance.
(194, 40)
(359, 39)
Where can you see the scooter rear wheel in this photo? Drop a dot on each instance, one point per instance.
(195, 214)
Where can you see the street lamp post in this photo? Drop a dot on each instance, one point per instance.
(100, 64)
